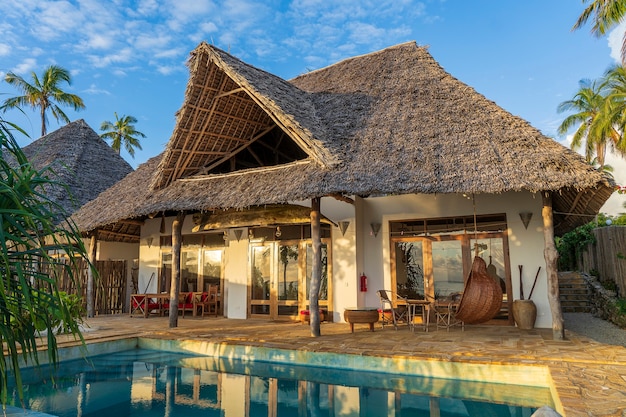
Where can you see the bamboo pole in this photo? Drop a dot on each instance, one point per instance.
(90, 274)
(177, 226)
(316, 273)
(551, 255)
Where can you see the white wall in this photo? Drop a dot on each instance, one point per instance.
(236, 265)
(149, 260)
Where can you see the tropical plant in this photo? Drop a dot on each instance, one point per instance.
(606, 14)
(43, 94)
(33, 241)
(122, 131)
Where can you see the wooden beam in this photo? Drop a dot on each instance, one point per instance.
(119, 234)
(132, 221)
(235, 151)
(93, 247)
(341, 197)
(228, 93)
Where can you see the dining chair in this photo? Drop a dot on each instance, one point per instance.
(389, 304)
(445, 312)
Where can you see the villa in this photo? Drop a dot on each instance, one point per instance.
(414, 172)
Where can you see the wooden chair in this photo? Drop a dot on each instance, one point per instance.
(388, 303)
(209, 301)
(186, 303)
(445, 312)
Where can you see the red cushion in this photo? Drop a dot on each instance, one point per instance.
(138, 299)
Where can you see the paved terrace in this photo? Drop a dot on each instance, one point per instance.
(590, 377)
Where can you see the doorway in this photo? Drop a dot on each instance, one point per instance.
(280, 274)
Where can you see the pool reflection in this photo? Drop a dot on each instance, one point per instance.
(149, 384)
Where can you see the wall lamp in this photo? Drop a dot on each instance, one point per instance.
(343, 226)
(526, 216)
(375, 228)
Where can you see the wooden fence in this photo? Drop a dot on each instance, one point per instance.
(109, 286)
(607, 256)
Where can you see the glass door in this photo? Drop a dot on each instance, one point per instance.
(288, 280)
(280, 279)
(261, 280)
(447, 268)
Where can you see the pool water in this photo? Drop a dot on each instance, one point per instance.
(148, 383)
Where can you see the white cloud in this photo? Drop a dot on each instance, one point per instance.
(123, 56)
(4, 49)
(26, 66)
(183, 12)
(615, 39)
(96, 91)
(166, 70)
(56, 18)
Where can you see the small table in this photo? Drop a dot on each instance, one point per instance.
(424, 309)
(361, 315)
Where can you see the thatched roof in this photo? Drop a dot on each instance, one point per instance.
(390, 122)
(81, 160)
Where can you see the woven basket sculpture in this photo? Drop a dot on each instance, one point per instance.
(482, 297)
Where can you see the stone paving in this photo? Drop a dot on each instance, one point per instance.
(589, 377)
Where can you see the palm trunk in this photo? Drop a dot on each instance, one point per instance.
(550, 254)
(177, 226)
(316, 273)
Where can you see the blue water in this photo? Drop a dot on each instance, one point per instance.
(149, 383)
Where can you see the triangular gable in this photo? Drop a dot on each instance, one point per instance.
(237, 117)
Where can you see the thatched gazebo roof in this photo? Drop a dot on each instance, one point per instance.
(389, 122)
(81, 160)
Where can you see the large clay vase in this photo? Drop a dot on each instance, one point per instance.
(525, 314)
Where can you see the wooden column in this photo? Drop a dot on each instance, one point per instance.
(93, 250)
(316, 266)
(551, 255)
(177, 240)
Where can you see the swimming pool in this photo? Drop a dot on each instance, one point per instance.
(152, 383)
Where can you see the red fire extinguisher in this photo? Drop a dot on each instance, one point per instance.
(363, 283)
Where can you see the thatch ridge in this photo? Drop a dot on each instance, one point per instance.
(398, 123)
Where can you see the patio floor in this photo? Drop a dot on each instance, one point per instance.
(590, 377)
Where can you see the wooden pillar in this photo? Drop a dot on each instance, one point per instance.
(551, 256)
(90, 274)
(316, 266)
(177, 240)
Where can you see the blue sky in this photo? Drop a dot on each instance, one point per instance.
(129, 56)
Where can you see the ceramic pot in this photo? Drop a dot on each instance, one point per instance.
(525, 314)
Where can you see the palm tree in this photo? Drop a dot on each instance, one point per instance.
(606, 14)
(593, 116)
(123, 130)
(615, 110)
(44, 93)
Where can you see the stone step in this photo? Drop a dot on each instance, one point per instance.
(573, 290)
